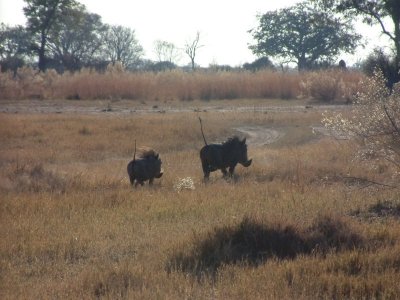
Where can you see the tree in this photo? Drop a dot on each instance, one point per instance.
(374, 123)
(191, 48)
(76, 39)
(259, 64)
(43, 16)
(373, 12)
(302, 35)
(14, 47)
(166, 52)
(379, 60)
(120, 44)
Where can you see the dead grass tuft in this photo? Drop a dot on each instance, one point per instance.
(331, 85)
(116, 284)
(379, 211)
(34, 178)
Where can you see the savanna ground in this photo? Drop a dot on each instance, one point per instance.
(298, 223)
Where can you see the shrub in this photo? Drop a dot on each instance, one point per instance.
(327, 86)
(374, 122)
(252, 242)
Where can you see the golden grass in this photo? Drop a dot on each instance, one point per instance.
(115, 84)
(73, 227)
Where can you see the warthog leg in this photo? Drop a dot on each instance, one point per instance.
(139, 182)
(206, 170)
(231, 170)
(132, 179)
(224, 172)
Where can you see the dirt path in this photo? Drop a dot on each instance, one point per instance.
(259, 135)
(256, 135)
(126, 107)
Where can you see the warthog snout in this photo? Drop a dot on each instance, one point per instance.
(159, 174)
(247, 163)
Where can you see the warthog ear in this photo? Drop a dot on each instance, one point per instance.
(244, 141)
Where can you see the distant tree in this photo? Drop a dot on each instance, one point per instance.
(303, 35)
(166, 51)
(120, 44)
(15, 45)
(44, 16)
(191, 48)
(379, 60)
(77, 38)
(219, 68)
(163, 66)
(372, 12)
(259, 64)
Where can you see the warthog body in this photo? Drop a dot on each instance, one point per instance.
(226, 155)
(146, 167)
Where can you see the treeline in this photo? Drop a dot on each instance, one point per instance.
(66, 37)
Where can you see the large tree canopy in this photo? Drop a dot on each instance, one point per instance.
(76, 39)
(120, 44)
(372, 12)
(302, 35)
(43, 16)
(15, 43)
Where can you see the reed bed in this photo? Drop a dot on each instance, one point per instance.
(117, 84)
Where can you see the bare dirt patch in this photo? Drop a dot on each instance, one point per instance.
(126, 107)
(259, 135)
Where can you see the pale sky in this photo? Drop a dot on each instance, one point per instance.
(223, 24)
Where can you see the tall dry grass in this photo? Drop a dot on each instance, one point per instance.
(115, 83)
(289, 226)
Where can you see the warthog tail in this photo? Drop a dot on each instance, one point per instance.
(202, 133)
(134, 153)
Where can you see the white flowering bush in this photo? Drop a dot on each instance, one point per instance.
(184, 184)
(374, 122)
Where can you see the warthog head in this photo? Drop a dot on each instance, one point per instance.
(241, 152)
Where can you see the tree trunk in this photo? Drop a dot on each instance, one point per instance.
(42, 57)
(396, 21)
(302, 63)
(193, 65)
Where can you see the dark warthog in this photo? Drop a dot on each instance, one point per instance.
(146, 167)
(221, 156)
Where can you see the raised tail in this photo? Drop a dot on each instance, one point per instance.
(201, 127)
(134, 153)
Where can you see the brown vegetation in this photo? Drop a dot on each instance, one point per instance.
(288, 227)
(117, 84)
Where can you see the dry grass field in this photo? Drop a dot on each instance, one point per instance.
(296, 224)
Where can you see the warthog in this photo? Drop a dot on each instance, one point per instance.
(221, 156)
(146, 167)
